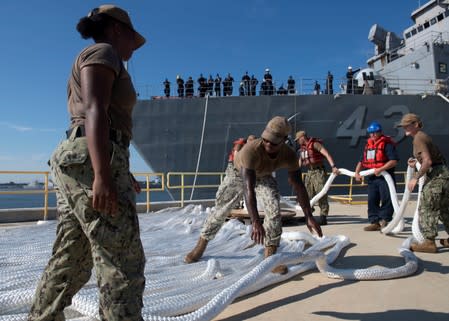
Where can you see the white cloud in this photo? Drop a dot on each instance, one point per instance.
(16, 127)
(21, 128)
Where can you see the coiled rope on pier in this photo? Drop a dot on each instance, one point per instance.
(232, 266)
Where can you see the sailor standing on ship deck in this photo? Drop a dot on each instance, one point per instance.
(252, 177)
(217, 85)
(329, 84)
(166, 88)
(291, 85)
(180, 83)
(350, 80)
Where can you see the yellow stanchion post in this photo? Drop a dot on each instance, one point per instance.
(46, 196)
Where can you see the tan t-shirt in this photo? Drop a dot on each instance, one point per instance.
(253, 156)
(423, 142)
(123, 95)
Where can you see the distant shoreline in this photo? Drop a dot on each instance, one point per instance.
(13, 201)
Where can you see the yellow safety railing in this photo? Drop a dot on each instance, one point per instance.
(349, 198)
(45, 190)
(185, 181)
(179, 181)
(148, 188)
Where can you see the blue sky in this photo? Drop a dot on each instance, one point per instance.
(291, 37)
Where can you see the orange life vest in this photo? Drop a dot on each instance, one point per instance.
(374, 155)
(308, 154)
(240, 141)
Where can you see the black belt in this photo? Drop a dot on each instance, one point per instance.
(114, 135)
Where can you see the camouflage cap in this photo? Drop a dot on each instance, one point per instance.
(277, 130)
(119, 15)
(300, 134)
(409, 119)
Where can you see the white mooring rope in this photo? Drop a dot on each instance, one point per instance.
(396, 225)
(231, 267)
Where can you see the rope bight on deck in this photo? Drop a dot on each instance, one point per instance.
(232, 265)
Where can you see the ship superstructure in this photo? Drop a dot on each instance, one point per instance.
(417, 62)
(406, 74)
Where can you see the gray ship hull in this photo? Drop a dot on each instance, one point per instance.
(169, 135)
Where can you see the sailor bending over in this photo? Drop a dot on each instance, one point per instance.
(252, 178)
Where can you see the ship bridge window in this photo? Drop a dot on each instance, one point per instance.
(426, 24)
(433, 21)
(420, 28)
(408, 35)
(440, 17)
(413, 32)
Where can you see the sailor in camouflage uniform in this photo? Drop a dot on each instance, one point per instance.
(434, 203)
(97, 220)
(252, 177)
(311, 153)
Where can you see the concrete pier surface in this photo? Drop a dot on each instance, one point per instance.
(312, 296)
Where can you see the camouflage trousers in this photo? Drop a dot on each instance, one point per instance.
(86, 238)
(314, 180)
(229, 194)
(230, 171)
(434, 203)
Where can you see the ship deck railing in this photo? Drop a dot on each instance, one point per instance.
(306, 86)
(344, 189)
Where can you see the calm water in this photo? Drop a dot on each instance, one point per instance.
(37, 200)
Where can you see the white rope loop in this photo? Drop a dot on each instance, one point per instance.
(396, 225)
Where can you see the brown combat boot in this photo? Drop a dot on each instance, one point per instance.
(197, 252)
(428, 246)
(269, 251)
(444, 242)
(372, 227)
